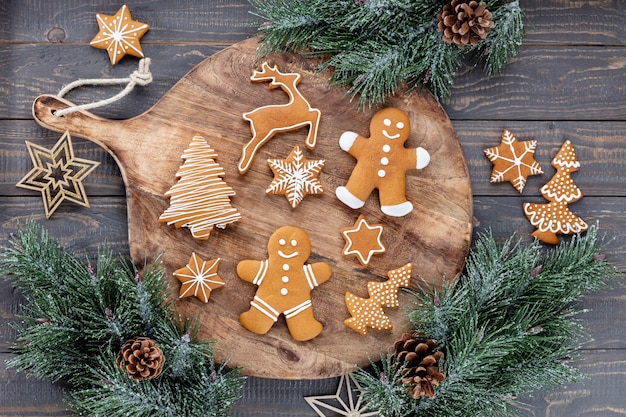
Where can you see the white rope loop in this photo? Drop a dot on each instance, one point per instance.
(142, 77)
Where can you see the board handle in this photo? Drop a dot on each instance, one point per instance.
(80, 123)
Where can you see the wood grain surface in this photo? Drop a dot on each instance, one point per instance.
(210, 101)
(568, 83)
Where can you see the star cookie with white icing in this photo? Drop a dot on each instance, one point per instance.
(119, 34)
(199, 278)
(363, 240)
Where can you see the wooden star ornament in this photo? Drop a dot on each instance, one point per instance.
(57, 174)
(119, 34)
(513, 161)
(199, 278)
(337, 405)
(363, 240)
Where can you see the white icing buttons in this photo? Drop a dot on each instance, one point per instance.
(386, 148)
(284, 291)
(384, 161)
(285, 279)
(285, 267)
(381, 173)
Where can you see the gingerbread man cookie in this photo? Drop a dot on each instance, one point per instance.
(285, 282)
(382, 163)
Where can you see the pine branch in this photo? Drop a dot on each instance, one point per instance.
(77, 316)
(508, 326)
(377, 48)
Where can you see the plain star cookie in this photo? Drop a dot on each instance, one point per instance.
(513, 161)
(119, 35)
(363, 240)
(199, 278)
(295, 176)
(285, 282)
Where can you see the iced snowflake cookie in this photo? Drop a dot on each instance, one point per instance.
(295, 176)
(267, 121)
(368, 312)
(363, 240)
(382, 163)
(284, 282)
(513, 161)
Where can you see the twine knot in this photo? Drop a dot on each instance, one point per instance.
(141, 76)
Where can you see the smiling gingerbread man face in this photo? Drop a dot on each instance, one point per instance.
(290, 245)
(392, 124)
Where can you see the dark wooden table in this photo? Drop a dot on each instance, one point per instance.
(569, 82)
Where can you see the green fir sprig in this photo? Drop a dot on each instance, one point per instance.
(508, 327)
(77, 315)
(377, 48)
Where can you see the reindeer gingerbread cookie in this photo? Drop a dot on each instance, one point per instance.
(382, 163)
(285, 282)
(267, 121)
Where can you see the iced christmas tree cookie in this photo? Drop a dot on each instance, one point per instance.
(200, 200)
(555, 216)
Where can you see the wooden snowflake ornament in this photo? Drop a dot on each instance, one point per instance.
(119, 35)
(295, 176)
(57, 174)
(513, 161)
(368, 312)
(199, 278)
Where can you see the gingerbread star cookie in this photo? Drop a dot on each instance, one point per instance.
(363, 240)
(295, 176)
(119, 35)
(199, 278)
(368, 312)
(513, 161)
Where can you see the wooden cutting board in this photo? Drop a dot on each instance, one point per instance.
(210, 101)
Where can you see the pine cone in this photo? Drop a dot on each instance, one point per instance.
(464, 22)
(141, 358)
(421, 373)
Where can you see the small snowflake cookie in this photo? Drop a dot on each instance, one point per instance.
(295, 176)
(513, 161)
